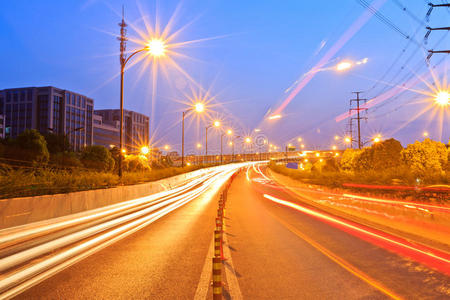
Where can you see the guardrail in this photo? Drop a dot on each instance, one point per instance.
(218, 258)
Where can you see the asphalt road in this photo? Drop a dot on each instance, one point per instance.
(161, 261)
(281, 253)
(274, 252)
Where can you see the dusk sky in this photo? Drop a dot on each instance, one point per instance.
(250, 55)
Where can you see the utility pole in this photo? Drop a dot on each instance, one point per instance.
(431, 52)
(358, 109)
(123, 46)
(349, 132)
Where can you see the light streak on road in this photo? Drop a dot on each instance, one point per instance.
(34, 252)
(425, 255)
(413, 205)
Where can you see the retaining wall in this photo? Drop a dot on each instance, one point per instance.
(24, 210)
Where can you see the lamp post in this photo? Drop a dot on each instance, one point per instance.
(156, 48)
(232, 145)
(229, 132)
(215, 124)
(198, 107)
(247, 140)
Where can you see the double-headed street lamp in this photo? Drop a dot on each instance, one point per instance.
(199, 108)
(215, 124)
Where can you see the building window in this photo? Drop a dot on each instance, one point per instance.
(30, 95)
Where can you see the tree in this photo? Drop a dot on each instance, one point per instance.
(57, 143)
(98, 158)
(425, 158)
(30, 146)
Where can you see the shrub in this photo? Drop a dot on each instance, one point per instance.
(133, 163)
(65, 159)
(380, 156)
(97, 158)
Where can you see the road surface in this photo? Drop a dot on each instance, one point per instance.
(273, 251)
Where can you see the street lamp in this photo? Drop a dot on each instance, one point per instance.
(145, 150)
(229, 132)
(156, 48)
(215, 124)
(199, 108)
(442, 98)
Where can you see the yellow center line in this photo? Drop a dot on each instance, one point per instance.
(344, 264)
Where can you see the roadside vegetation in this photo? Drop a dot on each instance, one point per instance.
(386, 164)
(33, 164)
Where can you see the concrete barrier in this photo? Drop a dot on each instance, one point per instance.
(24, 210)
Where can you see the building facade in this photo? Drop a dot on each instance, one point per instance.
(136, 127)
(2, 127)
(106, 134)
(48, 109)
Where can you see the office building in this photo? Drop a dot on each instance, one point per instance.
(48, 109)
(136, 127)
(106, 134)
(2, 127)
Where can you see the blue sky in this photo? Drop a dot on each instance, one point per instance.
(260, 49)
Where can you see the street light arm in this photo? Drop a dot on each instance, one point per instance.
(133, 54)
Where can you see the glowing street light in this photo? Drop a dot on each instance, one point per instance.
(425, 133)
(229, 132)
(302, 146)
(274, 117)
(157, 47)
(377, 139)
(334, 147)
(145, 150)
(124, 151)
(442, 98)
(216, 123)
(166, 147)
(299, 139)
(199, 108)
(348, 140)
(344, 66)
(336, 137)
(248, 140)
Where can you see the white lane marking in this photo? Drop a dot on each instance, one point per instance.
(233, 285)
(203, 285)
